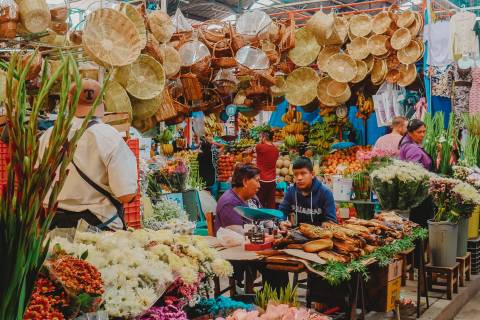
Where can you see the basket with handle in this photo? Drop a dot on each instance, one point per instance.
(215, 101)
(192, 89)
(223, 61)
(270, 50)
(213, 31)
(237, 40)
(167, 109)
(287, 41)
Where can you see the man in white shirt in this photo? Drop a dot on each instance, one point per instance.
(103, 173)
(389, 143)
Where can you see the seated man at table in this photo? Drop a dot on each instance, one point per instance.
(309, 200)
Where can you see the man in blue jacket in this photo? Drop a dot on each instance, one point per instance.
(309, 200)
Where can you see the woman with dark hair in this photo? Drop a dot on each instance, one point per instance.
(245, 185)
(411, 150)
(411, 144)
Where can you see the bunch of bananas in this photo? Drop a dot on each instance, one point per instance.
(322, 135)
(245, 123)
(326, 110)
(213, 127)
(364, 105)
(294, 128)
(167, 149)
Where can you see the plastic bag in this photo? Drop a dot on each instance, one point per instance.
(229, 238)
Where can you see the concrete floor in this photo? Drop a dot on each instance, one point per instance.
(471, 310)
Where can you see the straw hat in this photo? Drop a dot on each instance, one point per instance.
(143, 79)
(360, 25)
(379, 71)
(381, 23)
(408, 74)
(279, 88)
(161, 25)
(377, 44)
(306, 48)
(110, 38)
(339, 91)
(143, 109)
(35, 15)
(171, 60)
(405, 19)
(341, 67)
(135, 16)
(301, 86)
(321, 25)
(358, 48)
(362, 71)
(116, 98)
(324, 55)
(369, 61)
(400, 39)
(393, 76)
(339, 34)
(322, 94)
(410, 54)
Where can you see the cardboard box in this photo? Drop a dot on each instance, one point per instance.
(394, 270)
(393, 293)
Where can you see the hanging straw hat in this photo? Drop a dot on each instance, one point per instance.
(301, 86)
(400, 39)
(35, 15)
(339, 34)
(324, 55)
(379, 71)
(306, 48)
(339, 91)
(369, 61)
(377, 44)
(110, 38)
(410, 54)
(360, 25)
(408, 74)
(143, 109)
(116, 98)
(362, 71)
(322, 92)
(358, 48)
(321, 25)
(135, 16)
(143, 79)
(171, 60)
(161, 25)
(393, 76)
(405, 19)
(381, 22)
(341, 67)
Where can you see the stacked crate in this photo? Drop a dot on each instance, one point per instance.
(132, 209)
(474, 249)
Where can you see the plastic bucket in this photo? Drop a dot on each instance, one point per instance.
(462, 237)
(473, 224)
(442, 237)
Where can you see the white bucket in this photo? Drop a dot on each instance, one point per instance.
(342, 188)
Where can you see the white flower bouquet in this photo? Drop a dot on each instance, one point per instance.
(400, 185)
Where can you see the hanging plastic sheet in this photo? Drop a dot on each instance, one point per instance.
(192, 52)
(181, 23)
(253, 23)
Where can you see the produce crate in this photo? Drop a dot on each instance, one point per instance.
(132, 210)
(473, 246)
(4, 159)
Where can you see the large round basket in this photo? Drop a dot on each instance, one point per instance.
(144, 109)
(321, 24)
(306, 48)
(360, 25)
(379, 71)
(377, 44)
(35, 15)
(400, 39)
(415, 27)
(381, 22)
(301, 86)
(161, 26)
(341, 68)
(143, 79)
(405, 19)
(408, 74)
(362, 71)
(358, 48)
(339, 91)
(278, 90)
(339, 34)
(322, 92)
(171, 60)
(370, 60)
(110, 38)
(324, 55)
(410, 54)
(137, 19)
(116, 98)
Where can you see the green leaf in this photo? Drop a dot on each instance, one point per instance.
(84, 255)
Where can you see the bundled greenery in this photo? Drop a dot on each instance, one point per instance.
(471, 146)
(24, 219)
(287, 295)
(336, 272)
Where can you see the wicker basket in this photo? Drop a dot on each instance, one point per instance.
(213, 31)
(379, 72)
(59, 27)
(161, 26)
(362, 71)
(110, 38)
(306, 49)
(301, 86)
(223, 62)
(400, 39)
(321, 24)
(116, 99)
(167, 109)
(143, 79)
(339, 91)
(324, 55)
(8, 29)
(358, 48)
(341, 67)
(35, 15)
(192, 88)
(152, 48)
(144, 109)
(144, 125)
(171, 60)
(137, 19)
(59, 13)
(360, 25)
(9, 12)
(76, 37)
(322, 93)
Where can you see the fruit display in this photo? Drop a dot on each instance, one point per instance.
(165, 138)
(278, 135)
(245, 123)
(226, 164)
(241, 145)
(245, 157)
(344, 161)
(294, 128)
(321, 136)
(188, 156)
(213, 126)
(364, 105)
(327, 110)
(284, 169)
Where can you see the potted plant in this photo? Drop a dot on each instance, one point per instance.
(455, 202)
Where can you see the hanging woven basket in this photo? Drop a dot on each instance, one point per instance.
(132, 13)
(35, 15)
(144, 109)
(116, 99)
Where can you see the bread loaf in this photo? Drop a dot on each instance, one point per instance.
(318, 245)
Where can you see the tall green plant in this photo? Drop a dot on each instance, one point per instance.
(24, 219)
